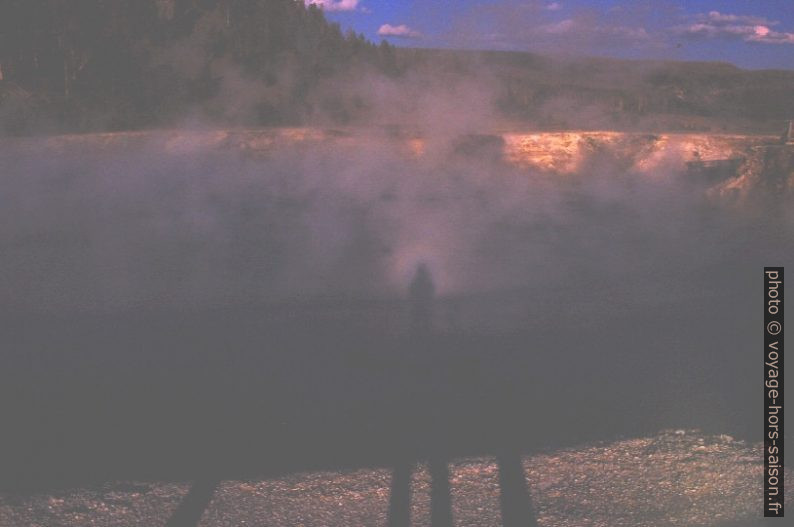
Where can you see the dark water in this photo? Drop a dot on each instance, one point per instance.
(172, 315)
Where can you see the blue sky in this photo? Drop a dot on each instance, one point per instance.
(751, 34)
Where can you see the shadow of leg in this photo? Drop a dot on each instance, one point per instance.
(440, 499)
(400, 498)
(517, 509)
(189, 512)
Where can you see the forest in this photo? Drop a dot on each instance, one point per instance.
(116, 64)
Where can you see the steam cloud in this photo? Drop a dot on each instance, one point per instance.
(151, 226)
(616, 268)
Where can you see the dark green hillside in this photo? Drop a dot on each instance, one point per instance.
(612, 93)
(88, 64)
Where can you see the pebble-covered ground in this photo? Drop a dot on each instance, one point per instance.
(117, 504)
(677, 478)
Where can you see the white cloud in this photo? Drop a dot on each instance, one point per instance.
(604, 34)
(764, 35)
(558, 28)
(537, 25)
(716, 17)
(738, 27)
(335, 5)
(402, 31)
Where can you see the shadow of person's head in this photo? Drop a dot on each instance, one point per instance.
(421, 295)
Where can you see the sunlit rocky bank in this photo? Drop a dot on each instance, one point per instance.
(735, 164)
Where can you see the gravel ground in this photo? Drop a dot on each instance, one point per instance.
(677, 478)
(116, 504)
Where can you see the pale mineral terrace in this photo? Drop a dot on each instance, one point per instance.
(557, 152)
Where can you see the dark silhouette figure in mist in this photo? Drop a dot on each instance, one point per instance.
(422, 293)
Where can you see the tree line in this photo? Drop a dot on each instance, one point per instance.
(113, 64)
